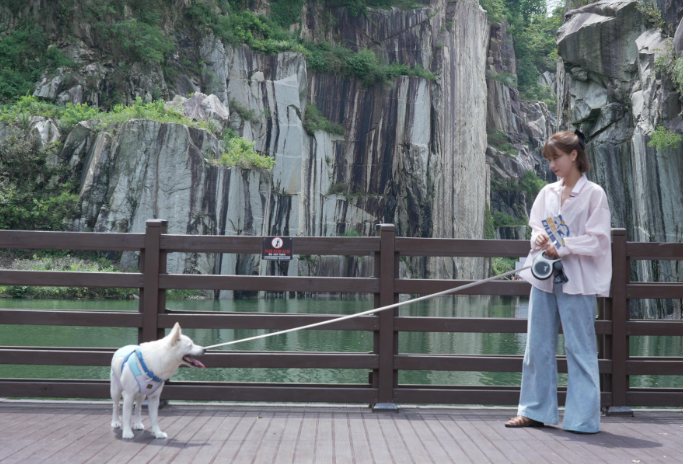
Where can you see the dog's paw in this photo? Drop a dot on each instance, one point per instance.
(127, 434)
(138, 426)
(160, 434)
(115, 424)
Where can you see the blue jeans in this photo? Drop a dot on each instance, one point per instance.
(538, 399)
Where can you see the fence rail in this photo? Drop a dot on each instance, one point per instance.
(613, 326)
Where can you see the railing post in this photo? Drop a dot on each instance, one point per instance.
(387, 339)
(152, 299)
(621, 269)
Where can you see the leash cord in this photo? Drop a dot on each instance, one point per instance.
(372, 311)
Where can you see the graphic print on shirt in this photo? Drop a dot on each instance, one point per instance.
(556, 229)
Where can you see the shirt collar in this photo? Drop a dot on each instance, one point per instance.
(577, 188)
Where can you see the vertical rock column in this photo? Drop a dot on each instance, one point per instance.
(457, 163)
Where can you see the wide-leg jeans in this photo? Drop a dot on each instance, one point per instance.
(538, 399)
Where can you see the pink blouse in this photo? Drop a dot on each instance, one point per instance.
(587, 253)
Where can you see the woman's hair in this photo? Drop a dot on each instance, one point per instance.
(563, 143)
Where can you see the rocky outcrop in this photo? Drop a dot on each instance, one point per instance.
(609, 87)
(161, 170)
(414, 151)
(202, 107)
(517, 131)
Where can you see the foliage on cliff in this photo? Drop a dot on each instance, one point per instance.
(533, 32)
(127, 32)
(33, 193)
(240, 152)
(267, 35)
(67, 116)
(39, 195)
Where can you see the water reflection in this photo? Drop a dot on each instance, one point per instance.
(312, 340)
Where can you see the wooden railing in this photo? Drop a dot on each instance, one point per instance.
(383, 363)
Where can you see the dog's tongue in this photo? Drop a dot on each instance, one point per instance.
(194, 362)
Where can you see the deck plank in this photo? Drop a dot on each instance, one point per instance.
(453, 438)
(229, 421)
(252, 442)
(362, 448)
(235, 440)
(189, 440)
(481, 431)
(520, 440)
(293, 425)
(73, 433)
(115, 453)
(14, 442)
(178, 432)
(380, 447)
(418, 451)
(395, 442)
(640, 449)
(268, 447)
(304, 451)
(343, 449)
(79, 425)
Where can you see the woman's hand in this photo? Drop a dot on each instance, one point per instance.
(551, 252)
(543, 241)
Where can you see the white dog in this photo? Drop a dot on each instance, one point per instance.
(139, 371)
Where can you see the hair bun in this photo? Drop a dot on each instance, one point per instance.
(582, 138)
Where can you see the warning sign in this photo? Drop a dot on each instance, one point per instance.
(276, 248)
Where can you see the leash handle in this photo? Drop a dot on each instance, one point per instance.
(372, 311)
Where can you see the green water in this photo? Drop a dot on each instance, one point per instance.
(312, 340)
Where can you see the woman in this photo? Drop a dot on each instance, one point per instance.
(569, 219)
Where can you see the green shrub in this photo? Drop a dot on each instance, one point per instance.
(503, 265)
(351, 233)
(240, 152)
(314, 120)
(503, 220)
(661, 138)
(24, 56)
(70, 115)
(496, 9)
(499, 140)
(506, 78)
(339, 188)
(267, 36)
(653, 16)
(245, 114)
(667, 63)
(286, 12)
(66, 264)
(489, 228)
(133, 41)
(33, 195)
(529, 182)
(181, 294)
(359, 7)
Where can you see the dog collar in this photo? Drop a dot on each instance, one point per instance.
(145, 368)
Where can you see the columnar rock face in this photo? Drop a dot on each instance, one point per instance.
(413, 151)
(608, 86)
(523, 128)
(161, 170)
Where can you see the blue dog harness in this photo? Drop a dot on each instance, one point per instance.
(148, 383)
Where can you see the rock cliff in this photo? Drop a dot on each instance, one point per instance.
(610, 87)
(416, 152)
(413, 152)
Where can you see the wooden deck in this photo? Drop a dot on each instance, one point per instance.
(80, 433)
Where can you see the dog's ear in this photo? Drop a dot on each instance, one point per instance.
(175, 334)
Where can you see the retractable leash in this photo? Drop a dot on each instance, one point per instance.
(384, 308)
